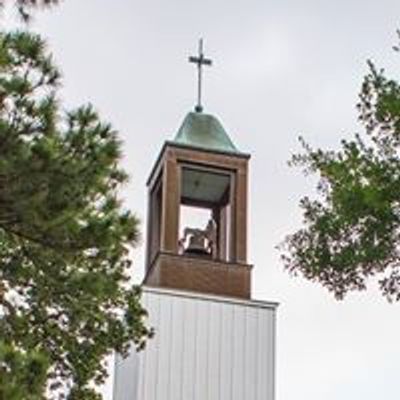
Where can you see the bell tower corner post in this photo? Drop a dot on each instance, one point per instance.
(171, 203)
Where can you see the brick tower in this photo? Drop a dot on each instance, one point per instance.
(200, 168)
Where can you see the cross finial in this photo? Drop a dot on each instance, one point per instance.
(200, 60)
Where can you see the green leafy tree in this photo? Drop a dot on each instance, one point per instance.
(351, 232)
(65, 297)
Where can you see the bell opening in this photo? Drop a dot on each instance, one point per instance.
(205, 213)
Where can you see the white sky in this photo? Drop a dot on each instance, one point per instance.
(281, 68)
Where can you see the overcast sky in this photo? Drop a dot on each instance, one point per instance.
(281, 68)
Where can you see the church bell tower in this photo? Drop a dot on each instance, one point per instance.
(200, 169)
(212, 340)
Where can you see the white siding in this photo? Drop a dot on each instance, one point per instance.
(205, 348)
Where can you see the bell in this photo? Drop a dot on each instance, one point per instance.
(197, 246)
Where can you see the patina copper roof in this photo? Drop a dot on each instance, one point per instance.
(204, 131)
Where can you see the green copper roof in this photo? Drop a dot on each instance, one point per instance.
(204, 131)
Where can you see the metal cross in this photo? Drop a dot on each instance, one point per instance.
(200, 61)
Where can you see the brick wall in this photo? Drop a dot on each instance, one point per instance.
(200, 275)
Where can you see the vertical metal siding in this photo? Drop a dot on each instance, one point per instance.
(204, 349)
(214, 351)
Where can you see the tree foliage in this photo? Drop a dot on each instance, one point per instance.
(23, 375)
(351, 232)
(25, 7)
(65, 297)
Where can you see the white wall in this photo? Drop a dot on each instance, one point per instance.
(205, 348)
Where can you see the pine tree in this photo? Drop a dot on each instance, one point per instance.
(26, 7)
(65, 297)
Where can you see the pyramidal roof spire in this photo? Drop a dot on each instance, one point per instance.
(200, 130)
(200, 60)
(204, 131)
